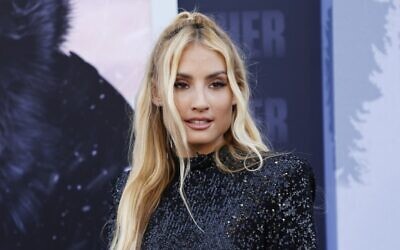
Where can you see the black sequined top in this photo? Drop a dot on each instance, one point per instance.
(271, 208)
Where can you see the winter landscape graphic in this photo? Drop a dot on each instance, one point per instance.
(63, 128)
(367, 158)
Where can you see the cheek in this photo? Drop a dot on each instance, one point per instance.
(180, 103)
(223, 108)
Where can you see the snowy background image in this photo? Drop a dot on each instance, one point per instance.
(116, 37)
(63, 120)
(367, 122)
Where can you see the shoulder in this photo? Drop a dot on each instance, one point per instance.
(288, 194)
(116, 196)
(287, 164)
(120, 185)
(287, 173)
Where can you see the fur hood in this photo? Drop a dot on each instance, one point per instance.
(30, 31)
(30, 34)
(58, 120)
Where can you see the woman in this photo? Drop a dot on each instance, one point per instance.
(202, 177)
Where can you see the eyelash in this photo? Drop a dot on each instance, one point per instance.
(219, 83)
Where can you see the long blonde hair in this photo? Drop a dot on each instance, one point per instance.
(158, 132)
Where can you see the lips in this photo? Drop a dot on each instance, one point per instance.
(199, 119)
(200, 123)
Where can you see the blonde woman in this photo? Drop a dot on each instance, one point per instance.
(202, 177)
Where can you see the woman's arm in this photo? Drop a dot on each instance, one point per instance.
(292, 225)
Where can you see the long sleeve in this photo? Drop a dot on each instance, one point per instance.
(270, 208)
(292, 225)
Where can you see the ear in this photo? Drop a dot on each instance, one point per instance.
(155, 98)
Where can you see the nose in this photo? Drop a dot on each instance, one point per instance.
(200, 102)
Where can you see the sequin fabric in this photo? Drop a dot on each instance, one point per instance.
(271, 208)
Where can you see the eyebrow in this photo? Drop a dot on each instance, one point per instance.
(183, 75)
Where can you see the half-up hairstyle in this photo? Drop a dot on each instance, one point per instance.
(159, 132)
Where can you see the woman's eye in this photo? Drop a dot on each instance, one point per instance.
(180, 85)
(218, 84)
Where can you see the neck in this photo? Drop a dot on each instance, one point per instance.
(196, 151)
(201, 149)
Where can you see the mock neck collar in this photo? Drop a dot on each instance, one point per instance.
(202, 161)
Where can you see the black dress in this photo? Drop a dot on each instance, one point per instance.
(271, 208)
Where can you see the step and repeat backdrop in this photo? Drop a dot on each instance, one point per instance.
(281, 41)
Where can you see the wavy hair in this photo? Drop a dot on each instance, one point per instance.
(159, 133)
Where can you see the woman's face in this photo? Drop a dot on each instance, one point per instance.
(203, 97)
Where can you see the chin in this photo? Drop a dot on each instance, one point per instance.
(201, 141)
